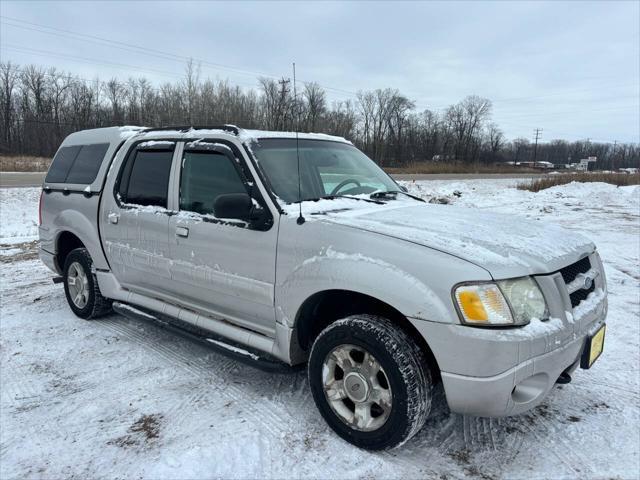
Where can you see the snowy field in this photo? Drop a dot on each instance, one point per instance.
(116, 398)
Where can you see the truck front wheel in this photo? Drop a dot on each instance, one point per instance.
(81, 286)
(370, 381)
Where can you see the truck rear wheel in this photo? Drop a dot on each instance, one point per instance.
(370, 381)
(81, 286)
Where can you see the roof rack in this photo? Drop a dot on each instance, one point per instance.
(183, 128)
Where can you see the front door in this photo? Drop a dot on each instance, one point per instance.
(224, 268)
(136, 219)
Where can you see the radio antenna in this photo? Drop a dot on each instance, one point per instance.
(300, 220)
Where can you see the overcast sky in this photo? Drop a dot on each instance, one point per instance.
(570, 68)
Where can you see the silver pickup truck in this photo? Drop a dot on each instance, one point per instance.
(289, 249)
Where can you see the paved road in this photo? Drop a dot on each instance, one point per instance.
(34, 179)
(21, 179)
(463, 176)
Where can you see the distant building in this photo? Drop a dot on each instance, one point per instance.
(583, 166)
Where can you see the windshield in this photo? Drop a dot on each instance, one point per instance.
(326, 168)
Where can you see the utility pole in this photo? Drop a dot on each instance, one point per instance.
(613, 156)
(587, 140)
(537, 133)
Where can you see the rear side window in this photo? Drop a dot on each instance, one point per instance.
(61, 164)
(145, 178)
(204, 177)
(77, 164)
(87, 164)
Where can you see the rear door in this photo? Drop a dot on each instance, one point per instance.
(221, 267)
(135, 219)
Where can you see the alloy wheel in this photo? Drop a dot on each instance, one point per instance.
(357, 387)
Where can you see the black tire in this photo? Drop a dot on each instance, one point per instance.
(96, 304)
(404, 364)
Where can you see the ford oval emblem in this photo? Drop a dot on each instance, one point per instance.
(588, 281)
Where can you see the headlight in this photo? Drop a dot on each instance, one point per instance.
(505, 303)
(525, 298)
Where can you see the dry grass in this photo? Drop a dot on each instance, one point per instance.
(619, 179)
(434, 168)
(24, 164)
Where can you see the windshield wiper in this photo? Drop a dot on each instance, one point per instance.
(393, 194)
(333, 197)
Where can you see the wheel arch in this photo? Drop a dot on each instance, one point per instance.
(65, 243)
(325, 307)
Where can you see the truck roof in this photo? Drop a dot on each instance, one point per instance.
(118, 134)
(102, 135)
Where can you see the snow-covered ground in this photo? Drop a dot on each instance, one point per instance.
(116, 398)
(18, 214)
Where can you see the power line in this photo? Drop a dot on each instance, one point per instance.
(145, 50)
(33, 51)
(175, 57)
(122, 45)
(537, 132)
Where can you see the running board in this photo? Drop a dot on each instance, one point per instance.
(229, 348)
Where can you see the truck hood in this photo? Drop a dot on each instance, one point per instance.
(505, 245)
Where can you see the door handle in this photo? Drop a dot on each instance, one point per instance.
(182, 231)
(113, 218)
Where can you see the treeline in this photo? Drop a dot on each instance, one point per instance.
(40, 106)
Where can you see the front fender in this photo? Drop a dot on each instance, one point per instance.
(356, 272)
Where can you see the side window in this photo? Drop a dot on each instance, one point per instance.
(87, 163)
(205, 175)
(77, 164)
(62, 164)
(145, 178)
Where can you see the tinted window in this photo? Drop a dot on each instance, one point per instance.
(204, 177)
(87, 163)
(145, 178)
(77, 164)
(62, 164)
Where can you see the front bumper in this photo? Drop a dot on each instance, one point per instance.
(516, 390)
(499, 372)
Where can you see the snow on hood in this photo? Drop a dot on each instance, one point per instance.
(503, 244)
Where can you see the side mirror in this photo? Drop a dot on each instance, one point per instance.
(236, 205)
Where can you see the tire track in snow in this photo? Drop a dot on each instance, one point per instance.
(548, 432)
(625, 391)
(260, 415)
(147, 342)
(18, 386)
(562, 458)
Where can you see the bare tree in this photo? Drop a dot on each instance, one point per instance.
(8, 78)
(39, 107)
(315, 105)
(191, 84)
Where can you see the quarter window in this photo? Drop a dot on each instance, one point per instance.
(145, 178)
(204, 177)
(87, 163)
(77, 164)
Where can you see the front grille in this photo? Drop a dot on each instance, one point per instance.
(570, 273)
(580, 295)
